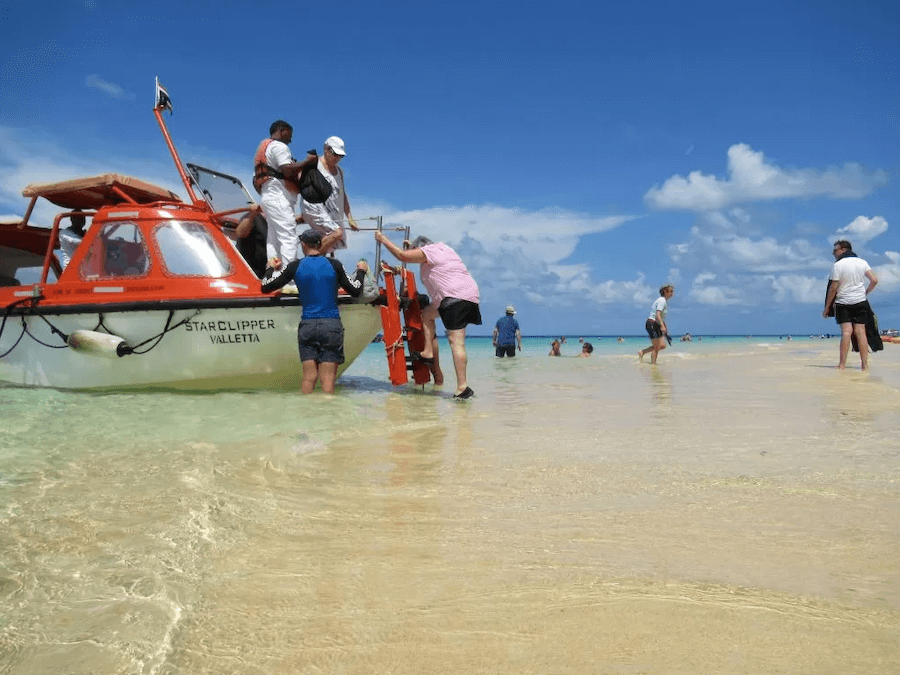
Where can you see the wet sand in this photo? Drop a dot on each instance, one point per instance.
(736, 511)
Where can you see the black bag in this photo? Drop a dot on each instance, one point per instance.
(314, 187)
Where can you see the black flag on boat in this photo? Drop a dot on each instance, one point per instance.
(162, 98)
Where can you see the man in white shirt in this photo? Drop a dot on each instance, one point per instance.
(275, 175)
(327, 218)
(847, 292)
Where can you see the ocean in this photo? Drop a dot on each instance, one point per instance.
(734, 509)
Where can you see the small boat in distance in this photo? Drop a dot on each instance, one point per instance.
(152, 294)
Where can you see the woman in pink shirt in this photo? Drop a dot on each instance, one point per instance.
(454, 296)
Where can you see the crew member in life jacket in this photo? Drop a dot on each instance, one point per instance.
(328, 219)
(275, 175)
(251, 233)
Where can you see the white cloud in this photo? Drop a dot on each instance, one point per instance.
(714, 295)
(108, 88)
(27, 159)
(798, 288)
(550, 234)
(751, 179)
(888, 274)
(514, 251)
(862, 229)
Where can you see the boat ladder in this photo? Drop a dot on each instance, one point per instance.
(401, 319)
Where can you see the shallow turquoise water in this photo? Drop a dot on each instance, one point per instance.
(738, 501)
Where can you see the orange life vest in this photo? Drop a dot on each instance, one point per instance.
(263, 172)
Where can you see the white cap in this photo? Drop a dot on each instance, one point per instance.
(336, 144)
(510, 309)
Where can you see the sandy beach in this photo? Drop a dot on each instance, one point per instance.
(734, 509)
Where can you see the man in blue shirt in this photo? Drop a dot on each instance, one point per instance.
(321, 334)
(507, 334)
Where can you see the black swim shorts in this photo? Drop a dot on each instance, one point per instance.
(654, 330)
(509, 350)
(321, 340)
(456, 313)
(858, 313)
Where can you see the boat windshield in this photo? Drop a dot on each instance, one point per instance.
(188, 249)
(221, 191)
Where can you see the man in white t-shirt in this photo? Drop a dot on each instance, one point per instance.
(275, 175)
(848, 291)
(656, 325)
(328, 218)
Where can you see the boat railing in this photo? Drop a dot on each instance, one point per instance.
(380, 227)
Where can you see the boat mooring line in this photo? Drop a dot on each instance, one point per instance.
(65, 338)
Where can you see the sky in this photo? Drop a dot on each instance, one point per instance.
(577, 155)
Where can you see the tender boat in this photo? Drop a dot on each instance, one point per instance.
(154, 295)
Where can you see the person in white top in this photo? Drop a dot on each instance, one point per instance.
(328, 218)
(275, 178)
(656, 324)
(847, 292)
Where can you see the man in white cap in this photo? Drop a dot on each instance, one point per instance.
(328, 218)
(507, 334)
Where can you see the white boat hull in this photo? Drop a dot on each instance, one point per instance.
(214, 348)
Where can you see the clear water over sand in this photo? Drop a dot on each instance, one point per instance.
(735, 509)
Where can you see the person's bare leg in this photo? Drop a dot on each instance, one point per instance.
(863, 341)
(457, 340)
(436, 373)
(846, 332)
(327, 376)
(658, 345)
(429, 315)
(310, 375)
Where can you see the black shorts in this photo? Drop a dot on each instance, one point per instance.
(654, 330)
(506, 351)
(858, 313)
(456, 313)
(321, 340)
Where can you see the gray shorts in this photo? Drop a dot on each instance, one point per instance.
(321, 340)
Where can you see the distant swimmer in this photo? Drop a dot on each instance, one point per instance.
(656, 324)
(554, 349)
(586, 350)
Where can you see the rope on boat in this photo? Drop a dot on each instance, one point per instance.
(131, 350)
(6, 312)
(53, 328)
(158, 338)
(16, 344)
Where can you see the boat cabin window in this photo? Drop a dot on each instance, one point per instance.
(188, 249)
(118, 250)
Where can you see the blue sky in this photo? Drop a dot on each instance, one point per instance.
(578, 155)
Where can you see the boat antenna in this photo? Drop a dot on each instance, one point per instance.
(163, 102)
